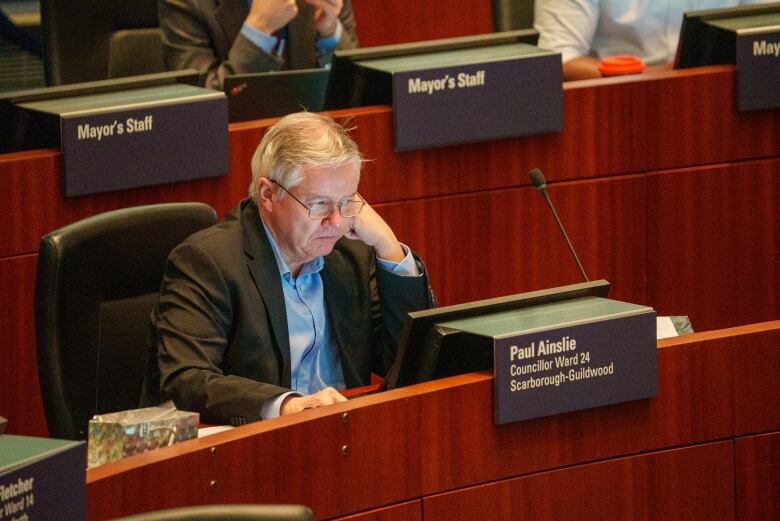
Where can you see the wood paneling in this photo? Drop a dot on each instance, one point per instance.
(308, 459)
(658, 121)
(499, 242)
(666, 191)
(410, 511)
(32, 192)
(39, 206)
(478, 451)
(650, 487)
(20, 397)
(399, 21)
(596, 142)
(669, 457)
(713, 234)
(757, 385)
(757, 472)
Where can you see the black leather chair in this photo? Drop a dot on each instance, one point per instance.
(97, 283)
(228, 513)
(509, 15)
(88, 40)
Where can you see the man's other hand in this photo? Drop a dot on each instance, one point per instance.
(369, 227)
(294, 404)
(271, 15)
(326, 15)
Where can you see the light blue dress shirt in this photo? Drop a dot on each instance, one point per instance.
(314, 357)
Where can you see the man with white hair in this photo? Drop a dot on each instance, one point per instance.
(301, 291)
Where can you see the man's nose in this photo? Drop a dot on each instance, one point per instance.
(334, 218)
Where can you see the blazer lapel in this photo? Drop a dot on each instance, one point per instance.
(230, 14)
(339, 302)
(265, 273)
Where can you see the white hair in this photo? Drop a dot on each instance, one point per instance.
(299, 141)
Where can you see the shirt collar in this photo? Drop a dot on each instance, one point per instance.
(313, 266)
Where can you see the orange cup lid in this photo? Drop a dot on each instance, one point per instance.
(616, 65)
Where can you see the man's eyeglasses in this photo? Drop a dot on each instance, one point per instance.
(320, 210)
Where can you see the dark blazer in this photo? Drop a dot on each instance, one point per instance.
(205, 35)
(220, 343)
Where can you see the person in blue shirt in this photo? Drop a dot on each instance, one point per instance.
(220, 37)
(299, 293)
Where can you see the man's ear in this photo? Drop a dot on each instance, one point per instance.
(265, 192)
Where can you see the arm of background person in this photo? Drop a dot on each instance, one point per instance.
(347, 40)
(581, 68)
(568, 26)
(187, 43)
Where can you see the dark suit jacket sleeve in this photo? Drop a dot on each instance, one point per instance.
(190, 34)
(193, 321)
(367, 308)
(398, 296)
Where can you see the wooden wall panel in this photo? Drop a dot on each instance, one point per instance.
(39, 206)
(599, 140)
(650, 487)
(498, 242)
(606, 133)
(625, 181)
(32, 189)
(409, 511)
(713, 237)
(477, 451)
(20, 397)
(316, 458)
(757, 385)
(657, 121)
(436, 442)
(757, 473)
(399, 21)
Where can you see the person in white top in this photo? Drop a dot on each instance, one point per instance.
(586, 31)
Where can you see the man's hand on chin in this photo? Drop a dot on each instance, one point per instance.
(370, 228)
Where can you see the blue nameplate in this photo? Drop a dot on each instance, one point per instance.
(473, 95)
(42, 478)
(140, 137)
(565, 356)
(758, 69)
(575, 367)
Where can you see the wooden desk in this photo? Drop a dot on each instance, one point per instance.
(401, 21)
(708, 445)
(665, 189)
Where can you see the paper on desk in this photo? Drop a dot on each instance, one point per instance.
(664, 328)
(208, 431)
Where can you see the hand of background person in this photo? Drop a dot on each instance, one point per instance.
(581, 68)
(271, 15)
(369, 227)
(294, 404)
(326, 15)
